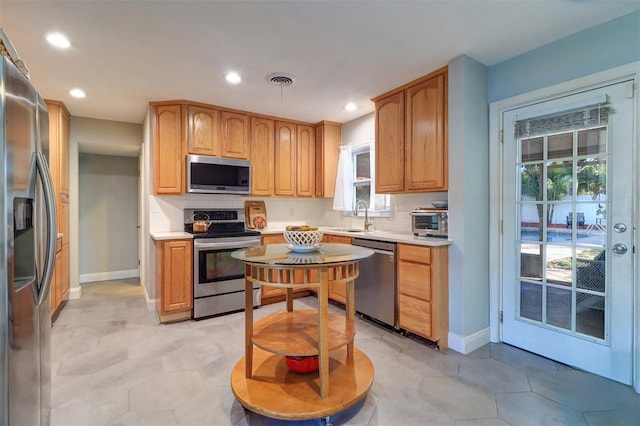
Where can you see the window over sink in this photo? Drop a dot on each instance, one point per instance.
(356, 180)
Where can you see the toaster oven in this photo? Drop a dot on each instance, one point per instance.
(430, 222)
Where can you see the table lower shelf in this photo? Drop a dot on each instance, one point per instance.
(296, 333)
(277, 392)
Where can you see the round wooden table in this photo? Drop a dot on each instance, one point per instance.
(261, 381)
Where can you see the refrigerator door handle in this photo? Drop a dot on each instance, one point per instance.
(52, 222)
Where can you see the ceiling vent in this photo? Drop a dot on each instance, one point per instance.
(281, 79)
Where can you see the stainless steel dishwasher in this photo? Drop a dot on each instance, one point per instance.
(375, 287)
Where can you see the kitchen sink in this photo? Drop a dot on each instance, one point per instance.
(346, 229)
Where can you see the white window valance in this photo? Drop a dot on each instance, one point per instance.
(574, 119)
(343, 196)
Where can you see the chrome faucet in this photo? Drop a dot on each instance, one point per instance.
(367, 224)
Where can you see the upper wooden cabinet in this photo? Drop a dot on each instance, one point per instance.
(295, 154)
(168, 150)
(59, 146)
(217, 133)
(288, 158)
(390, 144)
(306, 161)
(203, 135)
(425, 139)
(411, 136)
(328, 139)
(262, 156)
(285, 159)
(235, 135)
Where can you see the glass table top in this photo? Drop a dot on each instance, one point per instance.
(285, 254)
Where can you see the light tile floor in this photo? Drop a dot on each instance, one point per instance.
(114, 365)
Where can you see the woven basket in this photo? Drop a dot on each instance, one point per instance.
(303, 238)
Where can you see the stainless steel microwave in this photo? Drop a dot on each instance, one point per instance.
(430, 222)
(214, 175)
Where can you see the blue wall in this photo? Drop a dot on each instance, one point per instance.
(468, 200)
(596, 49)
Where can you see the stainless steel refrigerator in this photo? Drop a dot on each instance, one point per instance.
(27, 247)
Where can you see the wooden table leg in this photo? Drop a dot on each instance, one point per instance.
(248, 325)
(289, 299)
(351, 312)
(323, 339)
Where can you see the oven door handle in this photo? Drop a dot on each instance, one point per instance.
(225, 245)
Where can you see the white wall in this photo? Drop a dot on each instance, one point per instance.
(147, 261)
(107, 137)
(102, 136)
(108, 206)
(166, 212)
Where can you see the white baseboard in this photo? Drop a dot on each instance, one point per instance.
(151, 303)
(112, 275)
(467, 344)
(74, 293)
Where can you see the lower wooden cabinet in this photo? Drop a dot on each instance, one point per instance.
(59, 286)
(423, 291)
(270, 294)
(273, 239)
(174, 279)
(337, 291)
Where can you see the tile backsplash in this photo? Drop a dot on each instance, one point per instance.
(166, 212)
(398, 221)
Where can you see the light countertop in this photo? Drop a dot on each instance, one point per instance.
(179, 235)
(394, 237)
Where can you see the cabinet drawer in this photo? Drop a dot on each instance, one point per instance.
(419, 254)
(338, 239)
(338, 292)
(273, 239)
(414, 315)
(414, 279)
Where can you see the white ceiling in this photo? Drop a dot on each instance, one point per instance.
(127, 53)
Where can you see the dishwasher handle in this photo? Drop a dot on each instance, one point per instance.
(383, 246)
(384, 252)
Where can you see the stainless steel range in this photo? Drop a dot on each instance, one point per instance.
(218, 279)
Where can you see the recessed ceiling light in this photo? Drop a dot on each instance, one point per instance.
(233, 78)
(77, 93)
(58, 40)
(351, 106)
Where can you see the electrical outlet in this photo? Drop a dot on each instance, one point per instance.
(292, 212)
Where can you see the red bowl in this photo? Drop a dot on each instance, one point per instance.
(302, 364)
